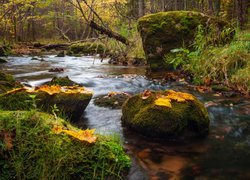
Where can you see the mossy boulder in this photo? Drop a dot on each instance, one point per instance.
(166, 114)
(87, 49)
(31, 147)
(113, 100)
(165, 31)
(69, 101)
(61, 54)
(62, 81)
(7, 82)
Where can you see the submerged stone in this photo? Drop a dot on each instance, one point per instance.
(166, 114)
(113, 100)
(166, 31)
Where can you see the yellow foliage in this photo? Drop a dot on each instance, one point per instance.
(54, 89)
(82, 135)
(163, 102)
(175, 96)
(179, 96)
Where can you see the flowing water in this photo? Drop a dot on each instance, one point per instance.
(224, 154)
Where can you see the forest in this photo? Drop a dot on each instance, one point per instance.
(124, 89)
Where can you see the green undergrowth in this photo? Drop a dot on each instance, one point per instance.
(34, 151)
(225, 64)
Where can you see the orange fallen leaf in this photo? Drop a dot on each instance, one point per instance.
(54, 89)
(82, 135)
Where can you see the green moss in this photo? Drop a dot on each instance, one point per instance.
(38, 153)
(70, 105)
(87, 48)
(115, 101)
(62, 81)
(157, 121)
(164, 31)
(7, 82)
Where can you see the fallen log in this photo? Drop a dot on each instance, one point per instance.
(108, 32)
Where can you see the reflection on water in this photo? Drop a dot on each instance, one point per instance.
(225, 154)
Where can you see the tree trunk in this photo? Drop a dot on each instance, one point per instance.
(141, 8)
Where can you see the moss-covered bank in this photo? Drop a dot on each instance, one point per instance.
(165, 31)
(30, 149)
(175, 118)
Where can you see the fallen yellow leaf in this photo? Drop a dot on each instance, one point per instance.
(163, 102)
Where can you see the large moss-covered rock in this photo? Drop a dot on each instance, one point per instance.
(66, 100)
(166, 114)
(164, 31)
(36, 145)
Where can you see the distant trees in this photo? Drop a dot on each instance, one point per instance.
(31, 20)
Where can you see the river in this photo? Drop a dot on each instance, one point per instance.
(224, 154)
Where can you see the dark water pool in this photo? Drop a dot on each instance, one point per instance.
(224, 154)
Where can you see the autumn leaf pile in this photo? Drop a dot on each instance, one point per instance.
(166, 99)
(51, 90)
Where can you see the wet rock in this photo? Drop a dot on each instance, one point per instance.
(62, 81)
(113, 100)
(35, 59)
(165, 31)
(61, 54)
(3, 60)
(166, 114)
(59, 70)
(7, 82)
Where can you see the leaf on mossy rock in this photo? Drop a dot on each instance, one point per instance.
(146, 94)
(82, 135)
(163, 102)
(179, 96)
(172, 95)
(54, 89)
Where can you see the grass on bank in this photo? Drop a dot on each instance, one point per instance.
(219, 64)
(29, 149)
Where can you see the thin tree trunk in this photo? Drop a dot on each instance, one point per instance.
(141, 6)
